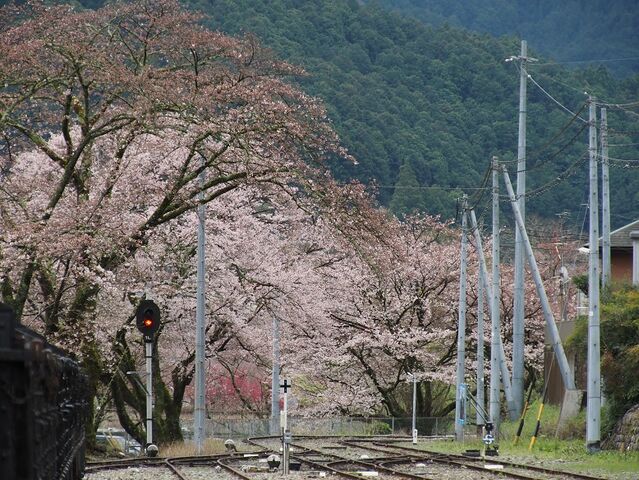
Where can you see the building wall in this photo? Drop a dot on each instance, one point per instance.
(621, 265)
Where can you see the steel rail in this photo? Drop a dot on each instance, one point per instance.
(465, 460)
(123, 463)
(377, 464)
(174, 463)
(393, 454)
(232, 470)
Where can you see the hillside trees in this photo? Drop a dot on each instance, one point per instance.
(620, 350)
(439, 97)
(564, 32)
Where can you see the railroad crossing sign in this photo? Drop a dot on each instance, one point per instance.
(285, 385)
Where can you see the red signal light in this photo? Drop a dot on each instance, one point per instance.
(148, 319)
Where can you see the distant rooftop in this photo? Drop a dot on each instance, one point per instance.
(620, 238)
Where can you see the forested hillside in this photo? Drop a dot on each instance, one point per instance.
(438, 100)
(570, 31)
(423, 108)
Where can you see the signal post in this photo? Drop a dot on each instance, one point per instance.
(147, 319)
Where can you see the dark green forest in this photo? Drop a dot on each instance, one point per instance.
(440, 100)
(423, 108)
(567, 31)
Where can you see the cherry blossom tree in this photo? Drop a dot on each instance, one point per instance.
(262, 252)
(144, 76)
(108, 120)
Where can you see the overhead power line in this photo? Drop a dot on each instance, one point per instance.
(597, 60)
(567, 173)
(616, 159)
(554, 99)
(554, 155)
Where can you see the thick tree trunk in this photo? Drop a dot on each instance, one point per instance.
(129, 397)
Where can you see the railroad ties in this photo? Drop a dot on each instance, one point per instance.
(379, 458)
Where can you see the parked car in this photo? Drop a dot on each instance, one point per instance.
(118, 440)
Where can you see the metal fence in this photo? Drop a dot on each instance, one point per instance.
(346, 426)
(43, 406)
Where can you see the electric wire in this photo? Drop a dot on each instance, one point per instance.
(599, 60)
(629, 112)
(538, 150)
(548, 159)
(614, 131)
(625, 166)
(530, 77)
(422, 187)
(479, 194)
(580, 91)
(572, 169)
(620, 160)
(567, 173)
(621, 106)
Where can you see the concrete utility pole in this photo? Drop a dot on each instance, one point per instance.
(488, 291)
(553, 331)
(461, 331)
(593, 435)
(494, 308)
(200, 386)
(518, 306)
(275, 378)
(480, 355)
(605, 201)
(413, 423)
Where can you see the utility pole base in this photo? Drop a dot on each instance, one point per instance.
(593, 447)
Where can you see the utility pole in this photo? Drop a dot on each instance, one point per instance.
(518, 291)
(594, 374)
(552, 329)
(413, 422)
(494, 308)
(200, 387)
(461, 332)
(480, 354)
(488, 291)
(605, 201)
(275, 378)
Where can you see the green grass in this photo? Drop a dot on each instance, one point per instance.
(567, 451)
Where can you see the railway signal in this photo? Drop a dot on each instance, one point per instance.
(147, 319)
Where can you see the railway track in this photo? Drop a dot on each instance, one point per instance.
(339, 457)
(502, 467)
(182, 468)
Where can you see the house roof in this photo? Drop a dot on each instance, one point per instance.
(620, 238)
